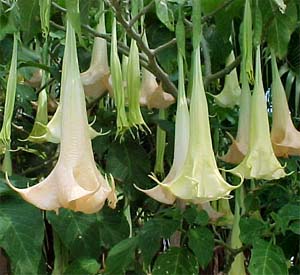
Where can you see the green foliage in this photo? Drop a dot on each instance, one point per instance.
(81, 266)
(201, 241)
(21, 235)
(142, 236)
(267, 259)
(175, 261)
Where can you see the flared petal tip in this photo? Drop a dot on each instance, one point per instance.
(159, 194)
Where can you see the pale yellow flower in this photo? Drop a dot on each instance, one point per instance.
(260, 161)
(230, 95)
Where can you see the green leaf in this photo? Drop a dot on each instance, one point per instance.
(257, 26)
(83, 266)
(128, 161)
(28, 17)
(154, 230)
(77, 233)
(295, 227)
(251, 229)
(120, 256)
(280, 26)
(285, 215)
(176, 261)
(112, 226)
(194, 216)
(201, 242)
(267, 259)
(21, 235)
(164, 14)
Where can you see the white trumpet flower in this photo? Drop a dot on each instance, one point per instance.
(75, 182)
(158, 192)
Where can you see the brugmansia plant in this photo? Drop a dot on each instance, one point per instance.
(199, 179)
(117, 83)
(159, 192)
(285, 138)
(75, 182)
(260, 161)
(152, 93)
(5, 133)
(239, 147)
(184, 220)
(230, 95)
(96, 79)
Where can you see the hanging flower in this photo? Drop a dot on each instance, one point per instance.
(117, 83)
(75, 181)
(199, 179)
(260, 161)
(230, 95)
(5, 132)
(159, 192)
(152, 93)
(285, 138)
(238, 148)
(96, 79)
(135, 117)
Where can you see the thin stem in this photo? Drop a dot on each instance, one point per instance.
(141, 13)
(206, 55)
(164, 46)
(222, 72)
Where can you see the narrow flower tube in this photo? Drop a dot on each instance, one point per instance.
(247, 46)
(199, 180)
(239, 147)
(260, 161)
(160, 146)
(230, 95)
(5, 133)
(96, 79)
(160, 192)
(75, 182)
(117, 83)
(135, 117)
(285, 138)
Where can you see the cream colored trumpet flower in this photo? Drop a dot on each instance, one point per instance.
(260, 161)
(75, 182)
(152, 93)
(96, 79)
(5, 132)
(238, 148)
(198, 180)
(230, 95)
(159, 192)
(285, 138)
